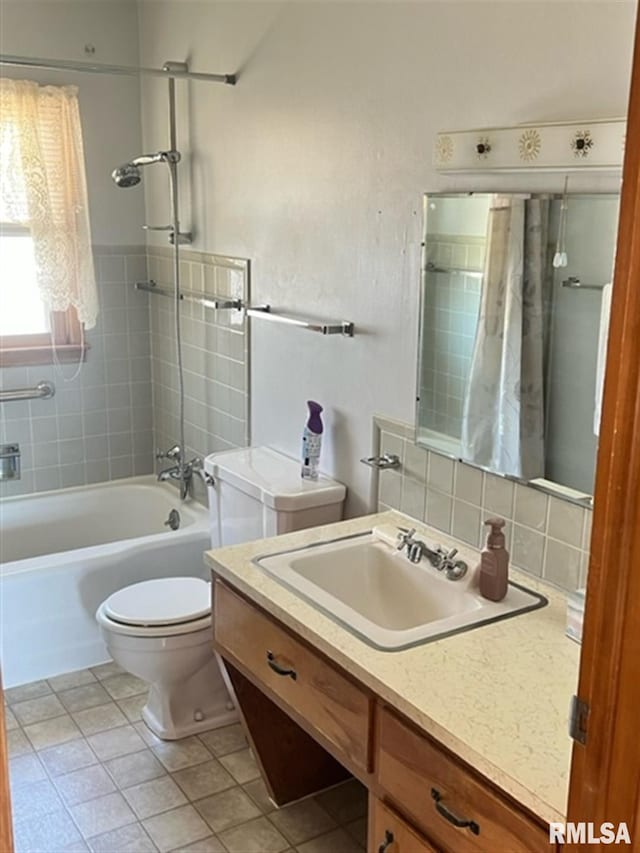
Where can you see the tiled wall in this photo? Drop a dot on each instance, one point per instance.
(546, 536)
(215, 355)
(450, 308)
(97, 426)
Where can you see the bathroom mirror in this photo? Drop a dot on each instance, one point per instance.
(514, 310)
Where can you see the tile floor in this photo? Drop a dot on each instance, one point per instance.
(87, 775)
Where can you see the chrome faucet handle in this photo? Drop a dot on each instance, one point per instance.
(173, 453)
(405, 537)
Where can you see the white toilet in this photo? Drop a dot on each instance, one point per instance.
(160, 630)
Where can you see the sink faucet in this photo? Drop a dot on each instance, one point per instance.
(183, 471)
(440, 559)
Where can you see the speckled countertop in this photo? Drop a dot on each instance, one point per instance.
(497, 696)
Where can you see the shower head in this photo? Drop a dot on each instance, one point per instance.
(129, 174)
(126, 175)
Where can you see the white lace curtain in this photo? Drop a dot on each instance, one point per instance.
(43, 187)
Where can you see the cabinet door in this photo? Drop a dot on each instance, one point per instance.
(389, 833)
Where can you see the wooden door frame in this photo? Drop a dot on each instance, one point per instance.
(605, 772)
(6, 831)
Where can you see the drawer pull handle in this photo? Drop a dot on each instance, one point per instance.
(388, 841)
(461, 823)
(280, 670)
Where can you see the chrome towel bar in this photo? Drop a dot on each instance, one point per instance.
(208, 300)
(574, 283)
(42, 391)
(264, 312)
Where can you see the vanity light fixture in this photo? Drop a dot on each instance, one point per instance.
(573, 146)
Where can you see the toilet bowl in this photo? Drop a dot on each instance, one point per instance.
(160, 630)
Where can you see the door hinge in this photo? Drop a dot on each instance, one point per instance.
(578, 716)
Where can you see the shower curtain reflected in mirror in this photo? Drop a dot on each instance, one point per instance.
(503, 413)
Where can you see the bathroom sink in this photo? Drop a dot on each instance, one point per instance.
(375, 591)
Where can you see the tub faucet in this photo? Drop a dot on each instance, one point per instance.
(184, 473)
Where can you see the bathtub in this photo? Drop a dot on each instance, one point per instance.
(62, 553)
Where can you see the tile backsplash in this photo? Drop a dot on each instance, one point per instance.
(546, 536)
(98, 425)
(215, 354)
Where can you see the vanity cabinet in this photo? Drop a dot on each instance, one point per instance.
(420, 793)
(389, 833)
(308, 685)
(449, 802)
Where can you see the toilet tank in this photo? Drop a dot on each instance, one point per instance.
(258, 492)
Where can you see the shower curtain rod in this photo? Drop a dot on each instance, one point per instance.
(169, 70)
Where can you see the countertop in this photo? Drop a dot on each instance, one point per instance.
(497, 696)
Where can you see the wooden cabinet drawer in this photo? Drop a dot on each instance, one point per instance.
(435, 790)
(323, 699)
(387, 828)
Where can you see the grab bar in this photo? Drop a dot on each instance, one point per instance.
(42, 391)
(264, 313)
(205, 299)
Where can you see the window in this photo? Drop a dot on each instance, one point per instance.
(47, 283)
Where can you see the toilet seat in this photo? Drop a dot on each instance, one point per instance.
(160, 603)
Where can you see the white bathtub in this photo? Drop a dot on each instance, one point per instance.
(62, 553)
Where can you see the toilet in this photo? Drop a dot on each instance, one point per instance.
(161, 630)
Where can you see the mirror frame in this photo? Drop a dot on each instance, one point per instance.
(547, 486)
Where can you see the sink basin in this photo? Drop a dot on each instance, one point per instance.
(373, 590)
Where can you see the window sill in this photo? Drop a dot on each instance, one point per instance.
(25, 356)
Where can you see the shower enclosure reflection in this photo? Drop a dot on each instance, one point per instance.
(510, 374)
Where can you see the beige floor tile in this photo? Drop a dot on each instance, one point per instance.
(26, 691)
(337, 841)
(83, 697)
(151, 798)
(86, 784)
(25, 769)
(175, 755)
(127, 839)
(98, 816)
(34, 800)
(135, 768)
(357, 829)
(302, 821)
(116, 742)
(124, 686)
(53, 832)
(36, 710)
(99, 719)
(176, 828)
(257, 790)
(227, 809)
(202, 780)
(257, 836)
(71, 679)
(225, 740)
(346, 802)
(17, 743)
(52, 732)
(132, 707)
(106, 670)
(242, 766)
(205, 845)
(67, 757)
(76, 847)
(10, 722)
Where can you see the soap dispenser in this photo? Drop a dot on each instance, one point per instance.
(494, 562)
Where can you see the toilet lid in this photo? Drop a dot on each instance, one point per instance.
(164, 601)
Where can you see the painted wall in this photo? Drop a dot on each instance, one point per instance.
(98, 426)
(314, 166)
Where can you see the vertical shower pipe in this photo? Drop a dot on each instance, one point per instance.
(173, 169)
